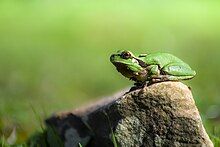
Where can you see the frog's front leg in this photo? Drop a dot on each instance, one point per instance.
(156, 75)
(153, 70)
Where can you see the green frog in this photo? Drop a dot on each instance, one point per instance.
(151, 68)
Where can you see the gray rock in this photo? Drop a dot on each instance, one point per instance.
(161, 115)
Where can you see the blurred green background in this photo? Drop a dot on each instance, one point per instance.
(54, 55)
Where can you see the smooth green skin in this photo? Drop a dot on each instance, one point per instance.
(155, 67)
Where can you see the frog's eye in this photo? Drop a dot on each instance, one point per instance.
(125, 55)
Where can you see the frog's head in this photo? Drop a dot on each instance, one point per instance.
(122, 56)
(128, 65)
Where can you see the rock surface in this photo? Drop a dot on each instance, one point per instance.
(163, 114)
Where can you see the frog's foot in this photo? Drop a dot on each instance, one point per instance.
(132, 79)
(138, 85)
(160, 78)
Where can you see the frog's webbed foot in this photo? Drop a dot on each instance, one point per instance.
(132, 79)
(138, 85)
(158, 78)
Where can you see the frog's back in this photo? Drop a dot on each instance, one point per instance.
(161, 58)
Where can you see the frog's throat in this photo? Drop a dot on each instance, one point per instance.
(136, 76)
(123, 69)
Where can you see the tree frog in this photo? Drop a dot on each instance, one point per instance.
(151, 68)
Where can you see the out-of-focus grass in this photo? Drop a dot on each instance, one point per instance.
(54, 55)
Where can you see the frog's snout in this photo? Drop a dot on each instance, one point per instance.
(112, 57)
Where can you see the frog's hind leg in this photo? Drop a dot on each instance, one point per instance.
(178, 71)
(163, 78)
(174, 72)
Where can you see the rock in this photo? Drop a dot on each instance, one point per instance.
(162, 114)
